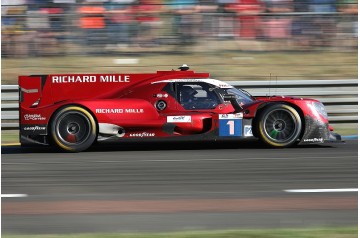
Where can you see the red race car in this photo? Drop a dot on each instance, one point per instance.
(73, 111)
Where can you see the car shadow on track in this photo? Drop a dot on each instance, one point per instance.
(159, 146)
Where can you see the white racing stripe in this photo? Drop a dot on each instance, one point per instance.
(14, 195)
(335, 190)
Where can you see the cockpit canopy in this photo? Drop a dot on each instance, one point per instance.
(206, 93)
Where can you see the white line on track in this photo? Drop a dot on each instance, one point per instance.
(335, 190)
(14, 195)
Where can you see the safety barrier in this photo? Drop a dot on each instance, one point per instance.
(340, 97)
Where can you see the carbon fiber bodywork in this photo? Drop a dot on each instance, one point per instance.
(316, 131)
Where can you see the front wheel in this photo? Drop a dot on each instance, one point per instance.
(73, 129)
(279, 125)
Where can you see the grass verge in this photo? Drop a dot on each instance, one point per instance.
(344, 232)
(9, 137)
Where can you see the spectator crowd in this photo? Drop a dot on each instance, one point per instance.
(55, 27)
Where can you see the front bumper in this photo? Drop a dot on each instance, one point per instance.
(317, 131)
(334, 138)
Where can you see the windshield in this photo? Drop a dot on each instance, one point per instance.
(242, 97)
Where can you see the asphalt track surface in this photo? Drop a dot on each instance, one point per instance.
(167, 186)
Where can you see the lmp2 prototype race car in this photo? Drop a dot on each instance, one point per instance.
(73, 111)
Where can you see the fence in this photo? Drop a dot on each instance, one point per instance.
(339, 97)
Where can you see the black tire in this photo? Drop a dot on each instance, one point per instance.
(279, 125)
(73, 129)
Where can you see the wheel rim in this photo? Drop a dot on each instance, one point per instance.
(280, 126)
(73, 128)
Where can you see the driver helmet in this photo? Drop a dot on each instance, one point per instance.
(187, 93)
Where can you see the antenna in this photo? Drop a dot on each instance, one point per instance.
(276, 86)
(269, 86)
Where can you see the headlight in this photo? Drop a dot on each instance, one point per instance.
(320, 108)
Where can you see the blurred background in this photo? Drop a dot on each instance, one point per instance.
(214, 32)
(32, 28)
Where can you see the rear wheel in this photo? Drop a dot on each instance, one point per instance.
(73, 129)
(279, 125)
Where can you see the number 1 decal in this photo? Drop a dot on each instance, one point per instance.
(231, 127)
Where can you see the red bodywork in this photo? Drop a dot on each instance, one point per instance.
(129, 104)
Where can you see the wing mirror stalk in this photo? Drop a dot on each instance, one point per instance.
(232, 99)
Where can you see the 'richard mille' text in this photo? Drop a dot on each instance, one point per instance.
(90, 78)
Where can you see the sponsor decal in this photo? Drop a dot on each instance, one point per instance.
(313, 140)
(132, 110)
(34, 117)
(34, 128)
(114, 79)
(119, 110)
(142, 134)
(175, 119)
(231, 116)
(248, 130)
(90, 78)
(223, 85)
(223, 116)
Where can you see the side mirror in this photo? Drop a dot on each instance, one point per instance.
(232, 98)
(229, 97)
